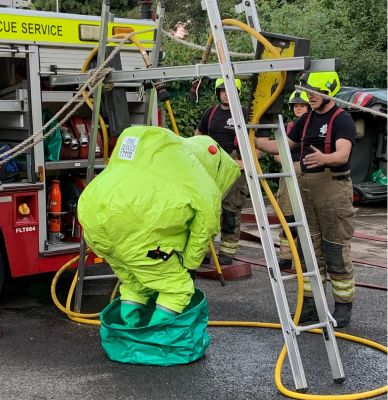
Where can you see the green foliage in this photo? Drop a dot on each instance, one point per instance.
(88, 7)
(352, 30)
(191, 13)
(187, 114)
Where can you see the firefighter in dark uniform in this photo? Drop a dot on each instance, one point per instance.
(217, 122)
(326, 134)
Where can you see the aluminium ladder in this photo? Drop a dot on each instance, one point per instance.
(290, 330)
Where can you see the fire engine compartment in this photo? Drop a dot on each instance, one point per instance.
(27, 102)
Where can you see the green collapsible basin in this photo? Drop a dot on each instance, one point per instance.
(179, 340)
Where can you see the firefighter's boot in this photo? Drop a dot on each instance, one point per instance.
(309, 311)
(285, 263)
(342, 314)
(161, 314)
(225, 259)
(130, 313)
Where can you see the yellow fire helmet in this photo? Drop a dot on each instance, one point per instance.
(298, 97)
(327, 82)
(220, 84)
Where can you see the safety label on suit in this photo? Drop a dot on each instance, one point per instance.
(128, 148)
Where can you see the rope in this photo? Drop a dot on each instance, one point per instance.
(23, 147)
(30, 141)
(352, 105)
(251, 55)
(202, 48)
(96, 77)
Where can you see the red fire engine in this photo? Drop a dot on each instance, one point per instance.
(39, 189)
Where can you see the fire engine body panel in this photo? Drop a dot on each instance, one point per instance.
(33, 46)
(19, 26)
(20, 234)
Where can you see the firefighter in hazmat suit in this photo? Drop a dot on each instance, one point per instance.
(152, 213)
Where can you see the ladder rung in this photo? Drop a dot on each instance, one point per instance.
(91, 277)
(290, 225)
(300, 329)
(273, 175)
(294, 276)
(231, 28)
(262, 126)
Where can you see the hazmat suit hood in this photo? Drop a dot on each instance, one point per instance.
(158, 189)
(216, 161)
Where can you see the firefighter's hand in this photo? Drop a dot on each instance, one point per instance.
(314, 159)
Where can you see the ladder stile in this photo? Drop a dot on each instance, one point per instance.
(151, 98)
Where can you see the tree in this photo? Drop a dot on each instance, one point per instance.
(88, 7)
(352, 30)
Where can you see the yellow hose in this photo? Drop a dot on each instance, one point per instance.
(88, 318)
(67, 309)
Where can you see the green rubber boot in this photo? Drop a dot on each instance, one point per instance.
(130, 313)
(161, 314)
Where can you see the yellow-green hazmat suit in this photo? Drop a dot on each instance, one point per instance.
(161, 191)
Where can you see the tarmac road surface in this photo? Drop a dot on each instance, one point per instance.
(45, 356)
